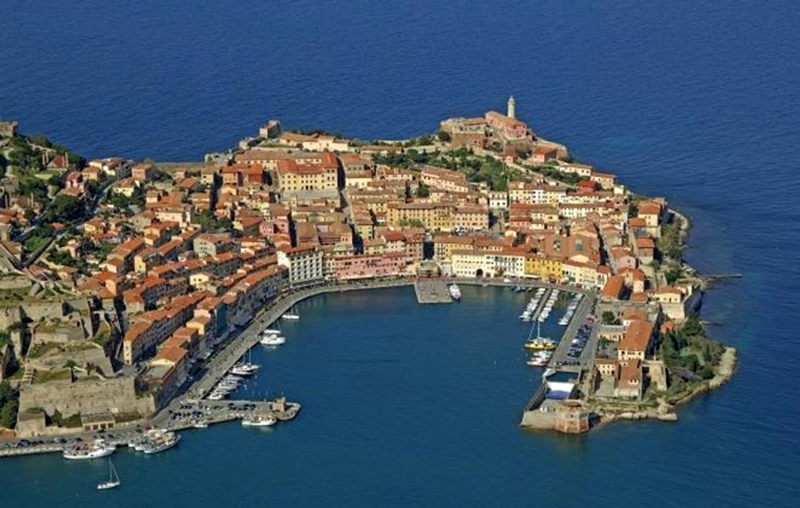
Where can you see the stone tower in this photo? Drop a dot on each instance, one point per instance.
(512, 107)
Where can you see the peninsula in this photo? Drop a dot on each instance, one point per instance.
(131, 290)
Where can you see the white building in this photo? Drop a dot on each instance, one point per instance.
(498, 200)
(305, 264)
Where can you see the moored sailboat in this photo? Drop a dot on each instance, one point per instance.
(113, 478)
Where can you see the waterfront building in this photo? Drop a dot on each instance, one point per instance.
(677, 302)
(606, 180)
(321, 143)
(151, 328)
(305, 264)
(473, 263)
(542, 267)
(369, 266)
(143, 171)
(9, 129)
(585, 273)
(571, 418)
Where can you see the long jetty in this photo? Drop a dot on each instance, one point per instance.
(540, 306)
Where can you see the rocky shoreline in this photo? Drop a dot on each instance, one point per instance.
(665, 412)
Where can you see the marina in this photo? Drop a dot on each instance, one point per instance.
(204, 403)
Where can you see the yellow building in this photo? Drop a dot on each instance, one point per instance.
(294, 177)
(433, 216)
(444, 245)
(540, 266)
(471, 217)
(364, 228)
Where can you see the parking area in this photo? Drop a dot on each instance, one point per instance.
(579, 338)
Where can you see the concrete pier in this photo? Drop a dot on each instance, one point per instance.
(578, 319)
(432, 291)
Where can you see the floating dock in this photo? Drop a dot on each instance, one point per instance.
(432, 291)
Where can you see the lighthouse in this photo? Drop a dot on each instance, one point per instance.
(512, 107)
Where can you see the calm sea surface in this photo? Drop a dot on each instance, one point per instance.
(409, 405)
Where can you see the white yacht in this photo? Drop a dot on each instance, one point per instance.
(161, 442)
(246, 368)
(455, 292)
(291, 314)
(259, 421)
(273, 340)
(243, 370)
(97, 450)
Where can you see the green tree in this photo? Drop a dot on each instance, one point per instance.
(609, 318)
(423, 191)
(669, 244)
(692, 327)
(673, 274)
(57, 418)
(5, 338)
(209, 222)
(7, 393)
(29, 185)
(691, 363)
(8, 415)
(9, 405)
(443, 136)
(705, 372)
(64, 209)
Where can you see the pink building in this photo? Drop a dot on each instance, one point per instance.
(367, 266)
(510, 127)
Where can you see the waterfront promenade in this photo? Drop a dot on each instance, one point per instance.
(237, 346)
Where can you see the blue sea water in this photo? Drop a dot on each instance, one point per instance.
(697, 101)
